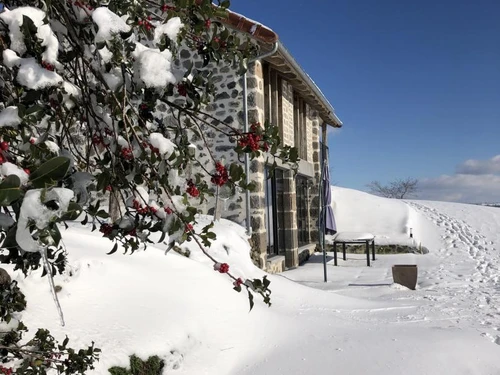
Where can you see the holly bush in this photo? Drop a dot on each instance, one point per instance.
(42, 352)
(152, 366)
(97, 109)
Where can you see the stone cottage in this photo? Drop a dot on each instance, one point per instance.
(282, 214)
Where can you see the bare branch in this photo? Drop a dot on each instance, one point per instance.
(399, 189)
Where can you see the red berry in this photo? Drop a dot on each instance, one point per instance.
(32, 141)
(96, 139)
(221, 267)
(47, 66)
(255, 126)
(221, 176)
(188, 228)
(106, 229)
(4, 146)
(208, 23)
(238, 282)
(136, 204)
(192, 189)
(27, 171)
(168, 210)
(127, 153)
(109, 188)
(166, 7)
(53, 103)
(181, 88)
(140, 210)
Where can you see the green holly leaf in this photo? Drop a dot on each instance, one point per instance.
(10, 240)
(294, 154)
(250, 300)
(103, 180)
(243, 66)
(10, 190)
(74, 210)
(266, 282)
(102, 214)
(50, 172)
(55, 234)
(235, 171)
(113, 250)
(6, 221)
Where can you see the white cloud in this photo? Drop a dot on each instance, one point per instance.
(476, 181)
(479, 167)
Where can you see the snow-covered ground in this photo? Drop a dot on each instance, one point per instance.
(358, 322)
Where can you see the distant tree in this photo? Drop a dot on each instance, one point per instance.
(399, 189)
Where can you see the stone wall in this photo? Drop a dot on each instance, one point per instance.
(257, 175)
(228, 107)
(290, 215)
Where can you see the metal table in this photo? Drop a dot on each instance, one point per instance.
(345, 238)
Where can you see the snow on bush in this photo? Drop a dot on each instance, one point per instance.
(10, 117)
(88, 103)
(108, 23)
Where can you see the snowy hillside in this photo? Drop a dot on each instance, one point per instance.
(356, 323)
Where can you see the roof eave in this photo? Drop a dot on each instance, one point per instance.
(284, 62)
(329, 117)
(266, 35)
(337, 123)
(256, 30)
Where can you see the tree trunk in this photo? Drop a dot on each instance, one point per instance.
(114, 206)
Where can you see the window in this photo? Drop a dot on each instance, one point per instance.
(275, 218)
(302, 186)
(272, 96)
(299, 125)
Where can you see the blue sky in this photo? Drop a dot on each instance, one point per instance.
(417, 85)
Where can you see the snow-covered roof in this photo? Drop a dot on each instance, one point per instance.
(284, 62)
(257, 30)
(303, 83)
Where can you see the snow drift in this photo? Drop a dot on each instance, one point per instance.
(357, 323)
